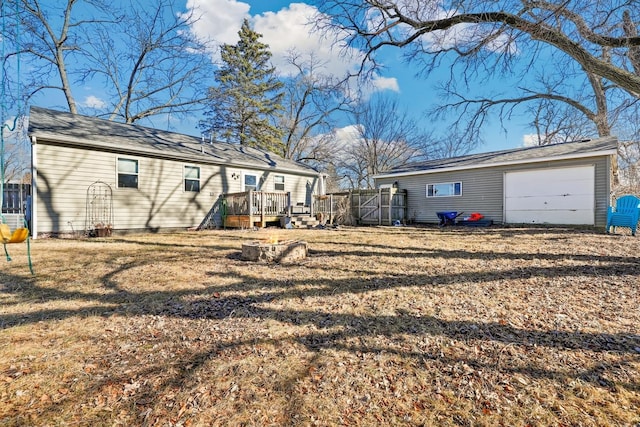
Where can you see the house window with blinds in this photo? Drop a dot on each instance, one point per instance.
(192, 179)
(127, 173)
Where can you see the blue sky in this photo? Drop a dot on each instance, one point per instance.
(284, 26)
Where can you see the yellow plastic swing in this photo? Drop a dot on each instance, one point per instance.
(19, 235)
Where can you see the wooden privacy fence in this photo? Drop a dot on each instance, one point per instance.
(382, 206)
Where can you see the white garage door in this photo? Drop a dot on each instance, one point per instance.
(551, 196)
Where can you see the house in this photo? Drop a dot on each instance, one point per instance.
(565, 183)
(89, 172)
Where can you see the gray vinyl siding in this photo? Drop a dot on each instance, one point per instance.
(603, 189)
(63, 175)
(483, 189)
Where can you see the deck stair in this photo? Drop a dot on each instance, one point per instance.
(304, 221)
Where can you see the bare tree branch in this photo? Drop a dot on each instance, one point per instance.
(386, 138)
(312, 99)
(368, 26)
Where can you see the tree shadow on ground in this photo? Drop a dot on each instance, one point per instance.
(337, 331)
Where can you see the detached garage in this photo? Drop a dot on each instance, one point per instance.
(565, 183)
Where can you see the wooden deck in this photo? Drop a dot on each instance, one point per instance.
(249, 209)
(244, 221)
(256, 208)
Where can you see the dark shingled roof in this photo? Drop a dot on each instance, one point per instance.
(567, 150)
(61, 128)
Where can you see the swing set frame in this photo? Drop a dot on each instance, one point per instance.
(20, 234)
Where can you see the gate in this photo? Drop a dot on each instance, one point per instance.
(383, 206)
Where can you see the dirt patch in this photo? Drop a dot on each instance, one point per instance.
(376, 326)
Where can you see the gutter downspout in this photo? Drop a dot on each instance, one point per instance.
(34, 188)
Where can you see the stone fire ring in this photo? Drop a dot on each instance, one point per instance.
(283, 252)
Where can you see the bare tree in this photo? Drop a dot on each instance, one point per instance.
(386, 138)
(48, 38)
(148, 62)
(628, 129)
(554, 123)
(562, 104)
(448, 144)
(499, 31)
(16, 151)
(586, 54)
(311, 103)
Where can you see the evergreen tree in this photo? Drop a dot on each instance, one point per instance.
(246, 103)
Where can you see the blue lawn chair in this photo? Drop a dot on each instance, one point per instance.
(625, 214)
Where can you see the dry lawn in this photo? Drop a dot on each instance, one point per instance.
(378, 326)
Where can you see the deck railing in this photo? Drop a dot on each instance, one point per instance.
(260, 206)
(14, 198)
(380, 206)
(333, 207)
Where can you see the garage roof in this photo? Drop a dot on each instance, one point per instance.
(62, 128)
(565, 151)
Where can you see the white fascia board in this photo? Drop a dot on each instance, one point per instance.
(493, 165)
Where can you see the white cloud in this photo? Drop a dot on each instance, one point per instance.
(347, 136)
(285, 30)
(349, 132)
(378, 84)
(291, 28)
(218, 20)
(530, 140)
(93, 102)
(385, 83)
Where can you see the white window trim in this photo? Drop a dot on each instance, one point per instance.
(443, 183)
(284, 180)
(118, 158)
(244, 174)
(184, 178)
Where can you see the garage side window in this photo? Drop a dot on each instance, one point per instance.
(445, 189)
(278, 182)
(192, 178)
(127, 173)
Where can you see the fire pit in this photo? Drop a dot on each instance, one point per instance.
(283, 252)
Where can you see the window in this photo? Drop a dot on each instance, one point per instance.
(278, 182)
(250, 182)
(127, 173)
(192, 178)
(447, 189)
